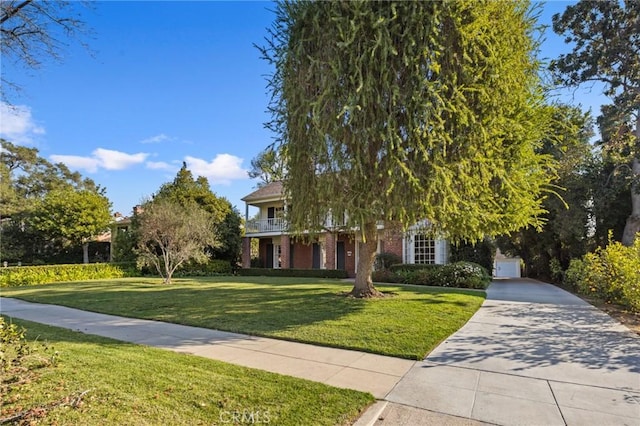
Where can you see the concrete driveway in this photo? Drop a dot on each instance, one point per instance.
(532, 355)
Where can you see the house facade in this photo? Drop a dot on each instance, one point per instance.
(334, 248)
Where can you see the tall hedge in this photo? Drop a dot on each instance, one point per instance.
(46, 274)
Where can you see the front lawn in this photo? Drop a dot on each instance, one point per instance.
(128, 384)
(409, 323)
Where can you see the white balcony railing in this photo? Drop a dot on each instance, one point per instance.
(256, 226)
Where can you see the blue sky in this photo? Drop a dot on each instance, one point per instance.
(165, 82)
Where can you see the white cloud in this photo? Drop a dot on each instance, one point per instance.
(156, 139)
(222, 169)
(161, 165)
(76, 162)
(101, 158)
(17, 125)
(116, 160)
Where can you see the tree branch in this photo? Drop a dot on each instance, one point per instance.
(14, 11)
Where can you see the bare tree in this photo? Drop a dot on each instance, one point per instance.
(33, 31)
(171, 234)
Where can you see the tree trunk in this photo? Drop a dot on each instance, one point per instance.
(363, 286)
(632, 226)
(85, 253)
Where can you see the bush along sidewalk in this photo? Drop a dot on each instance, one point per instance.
(458, 274)
(611, 274)
(46, 274)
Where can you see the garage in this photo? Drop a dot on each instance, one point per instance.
(506, 268)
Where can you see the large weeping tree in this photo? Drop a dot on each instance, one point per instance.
(606, 49)
(404, 111)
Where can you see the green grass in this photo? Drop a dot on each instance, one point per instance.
(130, 384)
(408, 324)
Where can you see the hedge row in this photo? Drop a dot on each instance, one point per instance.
(301, 273)
(458, 274)
(33, 275)
(213, 267)
(611, 274)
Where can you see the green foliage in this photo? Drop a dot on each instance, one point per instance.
(568, 229)
(302, 273)
(123, 245)
(226, 220)
(230, 238)
(555, 268)
(73, 216)
(606, 49)
(27, 177)
(481, 252)
(211, 268)
(372, 100)
(186, 191)
(384, 261)
(34, 275)
(459, 274)
(26, 180)
(611, 273)
(268, 166)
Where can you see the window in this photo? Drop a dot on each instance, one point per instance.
(424, 249)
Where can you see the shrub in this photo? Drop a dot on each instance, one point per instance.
(611, 273)
(212, 267)
(458, 274)
(555, 269)
(574, 275)
(410, 266)
(384, 261)
(467, 275)
(385, 276)
(302, 273)
(33, 275)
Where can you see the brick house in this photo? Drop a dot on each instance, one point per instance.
(334, 248)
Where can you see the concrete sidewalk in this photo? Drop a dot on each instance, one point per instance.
(532, 355)
(336, 367)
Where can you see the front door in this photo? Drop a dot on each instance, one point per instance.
(340, 255)
(269, 259)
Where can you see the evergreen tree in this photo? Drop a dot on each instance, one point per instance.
(401, 111)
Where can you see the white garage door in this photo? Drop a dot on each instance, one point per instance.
(507, 268)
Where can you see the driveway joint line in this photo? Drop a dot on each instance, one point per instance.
(464, 367)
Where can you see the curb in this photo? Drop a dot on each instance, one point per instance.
(369, 417)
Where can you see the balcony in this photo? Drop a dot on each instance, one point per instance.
(279, 225)
(260, 226)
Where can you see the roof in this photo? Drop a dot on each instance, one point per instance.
(270, 190)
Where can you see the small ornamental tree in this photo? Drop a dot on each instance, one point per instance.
(404, 111)
(170, 234)
(74, 216)
(186, 191)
